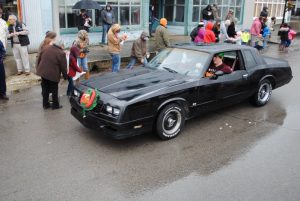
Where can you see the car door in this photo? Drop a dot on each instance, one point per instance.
(233, 87)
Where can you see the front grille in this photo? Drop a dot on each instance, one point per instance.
(99, 107)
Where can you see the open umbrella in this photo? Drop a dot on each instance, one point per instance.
(86, 4)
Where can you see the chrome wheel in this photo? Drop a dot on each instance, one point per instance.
(170, 121)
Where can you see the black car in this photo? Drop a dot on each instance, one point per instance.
(173, 88)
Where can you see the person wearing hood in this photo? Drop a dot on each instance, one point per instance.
(200, 36)
(108, 20)
(207, 14)
(195, 31)
(73, 68)
(139, 50)
(264, 12)
(209, 36)
(82, 42)
(161, 35)
(114, 45)
(255, 31)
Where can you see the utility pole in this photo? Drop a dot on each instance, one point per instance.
(284, 11)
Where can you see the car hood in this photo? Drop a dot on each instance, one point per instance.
(131, 84)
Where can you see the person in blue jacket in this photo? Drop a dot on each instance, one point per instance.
(266, 35)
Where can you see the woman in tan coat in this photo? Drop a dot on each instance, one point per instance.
(114, 45)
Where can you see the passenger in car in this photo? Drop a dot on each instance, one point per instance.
(218, 65)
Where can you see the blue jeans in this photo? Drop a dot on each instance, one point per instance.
(133, 61)
(116, 61)
(70, 86)
(105, 28)
(83, 62)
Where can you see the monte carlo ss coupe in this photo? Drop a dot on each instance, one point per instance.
(173, 87)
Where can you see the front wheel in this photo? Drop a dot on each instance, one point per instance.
(170, 121)
(263, 93)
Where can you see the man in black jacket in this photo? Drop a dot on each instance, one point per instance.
(264, 12)
(18, 35)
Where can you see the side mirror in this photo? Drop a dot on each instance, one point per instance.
(219, 73)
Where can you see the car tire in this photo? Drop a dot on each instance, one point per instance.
(263, 93)
(170, 121)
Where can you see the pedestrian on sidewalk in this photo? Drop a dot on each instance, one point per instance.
(194, 32)
(264, 13)
(82, 41)
(18, 34)
(284, 37)
(114, 45)
(51, 64)
(215, 11)
(73, 68)
(2, 74)
(49, 40)
(207, 14)
(161, 35)
(139, 50)
(255, 31)
(209, 36)
(108, 19)
(230, 16)
(3, 30)
(84, 21)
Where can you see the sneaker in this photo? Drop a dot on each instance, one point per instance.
(19, 73)
(57, 107)
(46, 107)
(27, 73)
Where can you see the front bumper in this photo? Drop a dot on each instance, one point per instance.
(110, 128)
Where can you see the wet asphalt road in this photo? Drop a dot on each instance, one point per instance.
(238, 153)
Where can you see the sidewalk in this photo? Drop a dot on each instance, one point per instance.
(98, 59)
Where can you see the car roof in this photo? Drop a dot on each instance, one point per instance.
(211, 48)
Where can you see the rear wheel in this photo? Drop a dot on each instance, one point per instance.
(263, 93)
(170, 121)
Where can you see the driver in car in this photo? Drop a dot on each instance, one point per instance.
(218, 65)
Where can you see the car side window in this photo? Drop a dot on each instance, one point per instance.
(249, 59)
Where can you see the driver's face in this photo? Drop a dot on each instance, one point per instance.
(217, 60)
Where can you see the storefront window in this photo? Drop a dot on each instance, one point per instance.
(275, 7)
(9, 7)
(125, 13)
(174, 10)
(223, 6)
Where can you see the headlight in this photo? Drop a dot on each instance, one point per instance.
(109, 109)
(76, 93)
(116, 111)
(112, 110)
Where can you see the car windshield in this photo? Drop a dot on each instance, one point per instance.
(182, 61)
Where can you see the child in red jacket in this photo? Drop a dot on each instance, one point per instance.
(73, 68)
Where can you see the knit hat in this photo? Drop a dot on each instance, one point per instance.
(221, 54)
(163, 22)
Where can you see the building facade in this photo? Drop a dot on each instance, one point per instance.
(41, 16)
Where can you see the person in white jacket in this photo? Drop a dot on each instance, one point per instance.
(3, 30)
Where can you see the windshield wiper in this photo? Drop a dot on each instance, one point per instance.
(170, 70)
